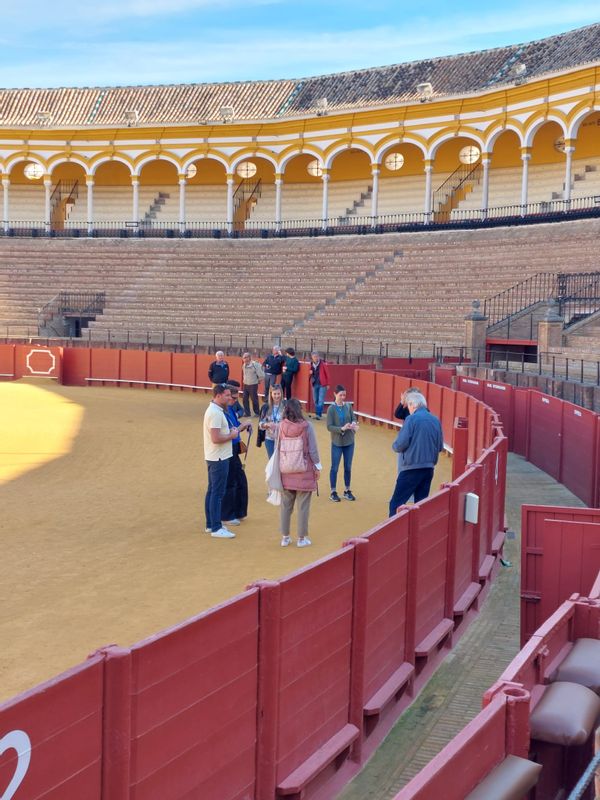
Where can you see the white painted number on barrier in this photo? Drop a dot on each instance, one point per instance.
(19, 741)
(545, 400)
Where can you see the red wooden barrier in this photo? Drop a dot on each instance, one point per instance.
(76, 366)
(105, 365)
(545, 433)
(579, 464)
(52, 737)
(184, 369)
(133, 365)
(533, 544)
(500, 397)
(7, 361)
(37, 361)
(193, 696)
(158, 367)
(384, 396)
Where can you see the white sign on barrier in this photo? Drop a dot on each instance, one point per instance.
(19, 741)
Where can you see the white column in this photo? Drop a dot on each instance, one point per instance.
(230, 182)
(278, 187)
(89, 184)
(135, 210)
(182, 219)
(485, 190)
(569, 150)
(525, 156)
(428, 190)
(325, 213)
(374, 193)
(48, 192)
(6, 210)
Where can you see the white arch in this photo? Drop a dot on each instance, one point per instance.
(105, 159)
(400, 141)
(530, 132)
(453, 135)
(204, 157)
(342, 148)
(70, 160)
(249, 155)
(495, 135)
(10, 164)
(155, 157)
(578, 119)
(306, 151)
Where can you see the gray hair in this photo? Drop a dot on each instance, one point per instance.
(219, 353)
(416, 399)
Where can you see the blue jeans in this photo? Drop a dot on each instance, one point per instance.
(217, 483)
(319, 393)
(270, 446)
(408, 482)
(337, 451)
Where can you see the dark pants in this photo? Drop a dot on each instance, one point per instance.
(286, 384)
(217, 482)
(251, 393)
(235, 501)
(319, 393)
(408, 482)
(337, 451)
(270, 447)
(269, 381)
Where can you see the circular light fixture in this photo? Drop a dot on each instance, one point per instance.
(559, 144)
(394, 162)
(469, 154)
(33, 171)
(191, 171)
(314, 168)
(247, 169)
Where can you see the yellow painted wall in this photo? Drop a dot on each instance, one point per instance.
(543, 150)
(295, 171)
(159, 173)
(113, 173)
(446, 157)
(413, 161)
(588, 137)
(209, 172)
(68, 172)
(507, 151)
(351, 165)
(17, 176)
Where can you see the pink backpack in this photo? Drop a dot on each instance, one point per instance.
(292, 454)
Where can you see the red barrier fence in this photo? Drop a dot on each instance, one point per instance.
(283, 691)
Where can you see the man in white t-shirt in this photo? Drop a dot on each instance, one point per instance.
(217, 452)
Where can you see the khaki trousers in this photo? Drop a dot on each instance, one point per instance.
(288, 499)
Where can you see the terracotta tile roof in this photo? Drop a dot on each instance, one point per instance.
(192, 103)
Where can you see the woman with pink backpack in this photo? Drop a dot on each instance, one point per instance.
(300, 468)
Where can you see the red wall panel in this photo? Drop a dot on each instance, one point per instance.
(463, 568)
(386, 602)
(194, 706)
(384, 395)
(133, 365)
(365, 392)
(432, 548)
(76, 366)
(105, 364)
(545, 433)
(471, 386)
(344, 375)
(520, 441)
(158, 367)
(203, 362)
(301, 388)
(37, 360)
(7, 361)
(499, 396)
(63, 721)
(579, 462)
(434, 400)
(449, 398)
(316, 632)
(184, 369)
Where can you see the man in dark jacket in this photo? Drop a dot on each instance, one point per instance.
(273, 367)
(218, 372)
(419, 443)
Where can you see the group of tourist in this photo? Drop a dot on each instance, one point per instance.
(291, 444)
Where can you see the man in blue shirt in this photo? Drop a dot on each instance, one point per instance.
(419, 443)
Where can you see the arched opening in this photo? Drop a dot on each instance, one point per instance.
(205, 193)
(302, 191)
(254, 189)
(546, 178)
(350, 186)
(457, 173)
(505, 171)
(159, 193)
(68, 207)
(112, 193)
(586, 158)
(27, 196)
(401, 181)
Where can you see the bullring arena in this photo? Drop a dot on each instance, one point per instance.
(450, 651)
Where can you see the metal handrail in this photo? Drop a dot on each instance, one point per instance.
(454, 181)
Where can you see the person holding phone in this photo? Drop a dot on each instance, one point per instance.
(342, 425)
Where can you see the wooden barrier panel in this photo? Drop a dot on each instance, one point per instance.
(133, 365)
(449, 414)
(7, 361)
(158, 367)
(466, 585)
(545, 433)
(77, 365)
(579, 464)
(194, 706)
(51, 738)
(344, 375)
(105, 364)
(364, 392)
(384, 396)
(435, 400)
(500, 397)
(37, 361)
(184, 369)
(533, 541)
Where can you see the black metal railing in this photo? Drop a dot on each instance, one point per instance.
(578, 296)
(461, 175)
(523, 295)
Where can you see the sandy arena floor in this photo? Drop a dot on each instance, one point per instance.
(102, 527)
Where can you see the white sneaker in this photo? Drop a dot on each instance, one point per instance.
(223, 533)
(207, 530)
(286, 541)
(232, 521)
(305, 542)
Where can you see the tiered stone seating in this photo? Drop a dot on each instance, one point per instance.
(112, 204)
(304, 201)
(26, 204)
(586, 178)
(403, 195)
